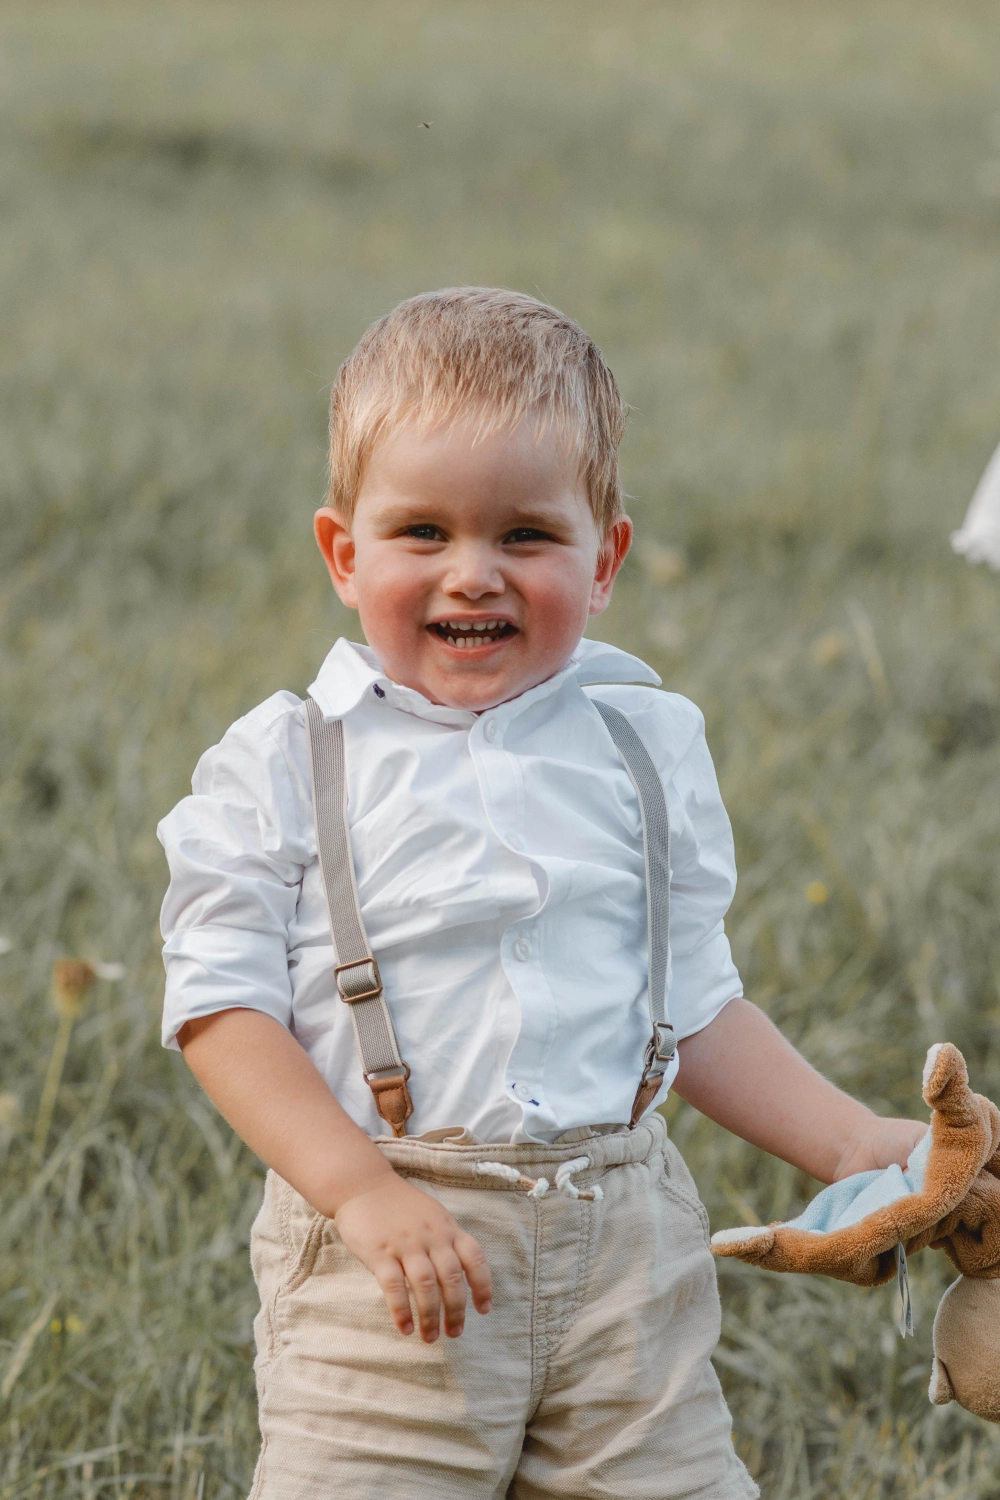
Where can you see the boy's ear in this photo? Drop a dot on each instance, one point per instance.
(613, 553)
(334, 540)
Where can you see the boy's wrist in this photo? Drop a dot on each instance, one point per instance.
(371, 1187)
(351, 1182)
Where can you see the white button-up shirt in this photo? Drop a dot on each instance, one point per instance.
(502, 885)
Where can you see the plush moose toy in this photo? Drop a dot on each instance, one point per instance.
(948, 1197)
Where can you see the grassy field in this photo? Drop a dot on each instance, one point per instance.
(782, 222)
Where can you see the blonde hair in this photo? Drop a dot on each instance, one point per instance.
(493, 356)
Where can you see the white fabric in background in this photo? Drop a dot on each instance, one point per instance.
(502, 884)
(978, 538)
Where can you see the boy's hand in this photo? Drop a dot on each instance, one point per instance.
(406, 1239)
(879, 1143)
(271, 1092)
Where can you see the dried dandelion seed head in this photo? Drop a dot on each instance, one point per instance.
(111, 972)
(71, 979)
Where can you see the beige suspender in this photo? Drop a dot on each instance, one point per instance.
(358, 981)
(645, 778)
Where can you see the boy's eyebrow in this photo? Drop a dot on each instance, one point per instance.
(413, 512)
(404, 513)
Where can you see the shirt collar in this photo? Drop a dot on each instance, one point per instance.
(596, 661)
(352, 670)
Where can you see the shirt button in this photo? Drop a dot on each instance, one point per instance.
(522, 1091)
(490, 729)
(522, 948)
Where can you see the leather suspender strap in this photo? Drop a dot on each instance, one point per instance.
(656, 847)
(359, 984)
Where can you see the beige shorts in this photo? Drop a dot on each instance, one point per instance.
(590, 1377)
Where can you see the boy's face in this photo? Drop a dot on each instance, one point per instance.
(472, 563)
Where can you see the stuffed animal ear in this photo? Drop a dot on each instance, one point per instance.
(940, 1389)
(946, 1085)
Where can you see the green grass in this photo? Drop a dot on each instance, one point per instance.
(782, 221)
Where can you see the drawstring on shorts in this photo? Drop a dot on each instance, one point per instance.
(564, 1185)
(537, 1187)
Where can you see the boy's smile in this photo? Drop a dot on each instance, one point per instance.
(473, 561)
(472, 634)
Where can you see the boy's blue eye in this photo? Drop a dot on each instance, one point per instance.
(527, 534)
(423, 533)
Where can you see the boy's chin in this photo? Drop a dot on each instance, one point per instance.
(474, 691)
(477, 686)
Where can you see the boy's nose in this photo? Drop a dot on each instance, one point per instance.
(473, 573)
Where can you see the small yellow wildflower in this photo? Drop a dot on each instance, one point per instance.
(664, 565)
(75, 1324)
(56, 1325)
(816, 893)
(828, 649)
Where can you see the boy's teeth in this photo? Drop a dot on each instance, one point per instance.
(463, 634)
(467, 625)
(469, 642)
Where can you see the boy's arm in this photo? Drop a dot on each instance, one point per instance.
(742, 1073)
(265, 1085)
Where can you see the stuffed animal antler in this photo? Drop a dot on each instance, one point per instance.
(948, 1197)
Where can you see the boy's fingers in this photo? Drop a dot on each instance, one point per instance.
(451, 1280)
(389, 1275)
(477, 1271)
(424, 1286)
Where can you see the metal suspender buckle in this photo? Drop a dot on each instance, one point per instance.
(659, 1050)
(349, 994)
(663, 1043)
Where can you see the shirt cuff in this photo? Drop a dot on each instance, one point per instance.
(693, 1004)
(223, 968)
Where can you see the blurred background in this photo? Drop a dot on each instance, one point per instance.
(781, 221)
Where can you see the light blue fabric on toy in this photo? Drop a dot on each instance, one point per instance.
(848, 1202)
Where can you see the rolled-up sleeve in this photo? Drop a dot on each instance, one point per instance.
(236, 853)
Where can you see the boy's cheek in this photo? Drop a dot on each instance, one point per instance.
(560, 604)
(390, 588)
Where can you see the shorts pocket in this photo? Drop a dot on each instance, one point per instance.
(302, 1231)
(677, 1182)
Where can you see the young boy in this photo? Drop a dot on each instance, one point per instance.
(496, 829)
